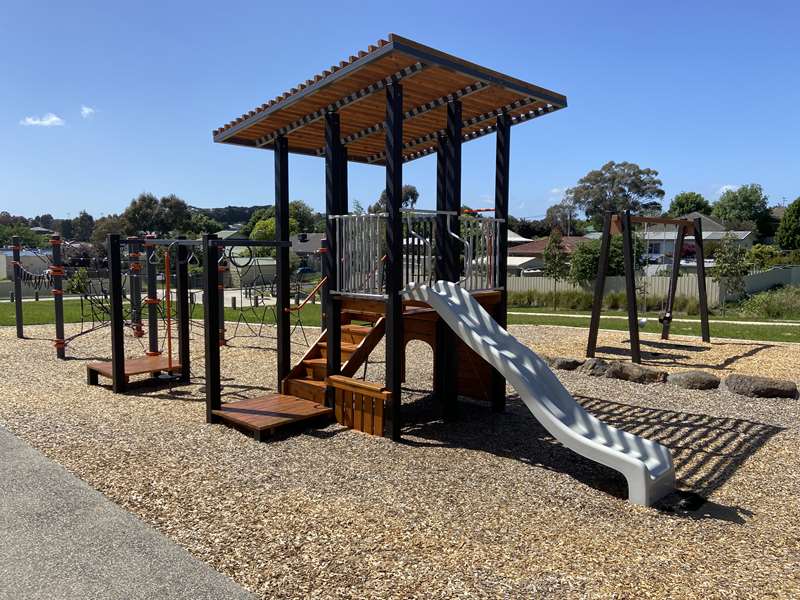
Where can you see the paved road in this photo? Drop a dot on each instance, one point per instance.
(61, 539)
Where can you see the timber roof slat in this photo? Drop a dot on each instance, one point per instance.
(352, 87)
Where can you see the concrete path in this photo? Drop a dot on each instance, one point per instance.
(61, 539)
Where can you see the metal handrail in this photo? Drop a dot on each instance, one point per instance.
(307, 298)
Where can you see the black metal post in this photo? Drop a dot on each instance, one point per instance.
(282, 234)
(57, 271)
(212, 325)
(666, 318)
(501, 174)
(700, 257)
(117, 331)
(394, 256)
(333, 202)
(441, 237)
(599, 286)
(135, 270)
(182, 314)
(152, 299)
(221, 269)
(16, 256)
(630, 285)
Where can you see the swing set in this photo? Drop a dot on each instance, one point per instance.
(623, 224)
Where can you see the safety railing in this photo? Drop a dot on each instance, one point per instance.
(361, 250)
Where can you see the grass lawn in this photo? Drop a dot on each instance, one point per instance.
(37, 313)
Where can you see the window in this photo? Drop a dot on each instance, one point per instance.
(654, 247)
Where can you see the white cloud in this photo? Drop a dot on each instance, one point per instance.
(87, 111)
(556, 191)
(726, 188)
(46, 120)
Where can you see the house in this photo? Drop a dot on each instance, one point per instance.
(306, 246)
(515, 239)
(533, 252)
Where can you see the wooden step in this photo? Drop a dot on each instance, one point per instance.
(308, 389)
(316, 368)
(263, 415)
(346, 347)
(354, 334)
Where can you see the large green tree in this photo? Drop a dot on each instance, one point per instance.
(586, 258)
(564, 216)
(745, 207)
(730, 268)
(146, 213)
(410, 197)
(83, 226)
(688, 202)
(106, 225)
(616, 187)
(788, 236)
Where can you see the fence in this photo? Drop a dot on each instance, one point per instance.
(657, 286)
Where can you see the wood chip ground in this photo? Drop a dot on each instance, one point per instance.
(487, 507)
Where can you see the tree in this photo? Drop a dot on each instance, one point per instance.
(174, 214)
(27, 237)
(64, 228)
(762, 256)
(265, 230)
(410, 197)
(357, 208)
(564, 215)
(556, 262)
(142, 214)
(586, 258)
(745, 207)
(82, 226)
(202, 223)
(616, 187)
(45, 220)
(528, 228)
(788, 236)
(106, 225)
(730, 268)
(688, 202)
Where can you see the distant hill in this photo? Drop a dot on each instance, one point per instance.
(230, 214)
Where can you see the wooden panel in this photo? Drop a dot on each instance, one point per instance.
(144, 365)
(270, 412)
(359, 404)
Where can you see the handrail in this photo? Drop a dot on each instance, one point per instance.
(467, 251)
(308, 298)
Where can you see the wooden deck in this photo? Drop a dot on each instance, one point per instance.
(263, 415)
(145, 365)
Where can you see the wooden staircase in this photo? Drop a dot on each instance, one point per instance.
(307, 378)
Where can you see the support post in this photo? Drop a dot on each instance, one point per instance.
(502, 159)
(135, 270)
(630, 286)
(441, 238)
(666, 318)
(700, 256)
(599, 286)
(394, 257)
(117, 332)
(212, 325)
(333, 201)
(152, 299)
(182, 293)
(57, 272)
(282, 234)
(16, 256)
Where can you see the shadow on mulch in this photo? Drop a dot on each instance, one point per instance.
(706, 450)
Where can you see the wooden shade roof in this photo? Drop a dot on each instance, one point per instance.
(355, 87)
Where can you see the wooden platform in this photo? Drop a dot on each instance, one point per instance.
(145, 365)
(263, 415)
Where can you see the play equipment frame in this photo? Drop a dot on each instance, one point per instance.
(623, 223)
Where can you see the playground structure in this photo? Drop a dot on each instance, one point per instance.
(439, 276)
(155, 362)
(623, 224)
(94, 306)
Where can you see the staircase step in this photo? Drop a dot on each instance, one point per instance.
(347, 348)
(355, 333)
(316, 368)
(310, 389)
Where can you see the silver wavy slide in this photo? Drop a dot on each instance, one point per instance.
(646, 465)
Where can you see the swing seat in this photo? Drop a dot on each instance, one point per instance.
(643, 322)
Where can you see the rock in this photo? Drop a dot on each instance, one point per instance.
(596, 367)
(694, 380)
(565, 363)
(635, 373)
(760, 387)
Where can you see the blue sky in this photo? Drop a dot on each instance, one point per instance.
(706, 93)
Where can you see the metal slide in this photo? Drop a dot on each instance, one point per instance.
(646, 465)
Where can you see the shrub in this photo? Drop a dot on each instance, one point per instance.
(780, 303)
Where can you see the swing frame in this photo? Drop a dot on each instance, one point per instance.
(623, 223)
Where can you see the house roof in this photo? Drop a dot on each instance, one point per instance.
(353, 88)
(520, 262)
(536, 247)
(311, 245)
(515, 238)
(709, 223)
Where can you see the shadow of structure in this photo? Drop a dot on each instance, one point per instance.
(706, 450)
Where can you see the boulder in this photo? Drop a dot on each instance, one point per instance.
(635, 373)
(596, 367)
(694, 380)
(565, 363)
(760, 387)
